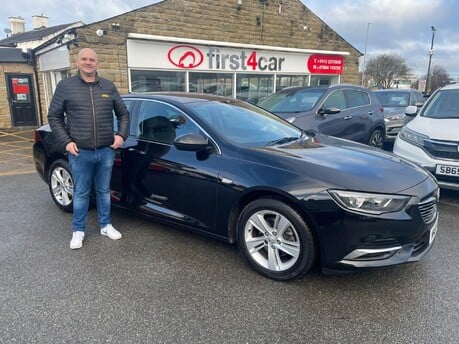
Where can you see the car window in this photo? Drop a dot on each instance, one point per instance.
(445, 104)
(244, 124)
(335, 100)
(356, 98)
(298, 101)
(393, 99)
(417, 98)
(163, 123)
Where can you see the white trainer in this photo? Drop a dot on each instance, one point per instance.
(77, 240)
(111, 232)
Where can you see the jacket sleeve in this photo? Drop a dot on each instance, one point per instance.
(122, 114)
(56, 115)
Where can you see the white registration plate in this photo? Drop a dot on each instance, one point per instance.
(445, 170)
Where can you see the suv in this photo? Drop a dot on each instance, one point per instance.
(348, 111)
(431, 139)
(394, 102)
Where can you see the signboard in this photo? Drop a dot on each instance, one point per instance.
(325, 64)
(199, 57)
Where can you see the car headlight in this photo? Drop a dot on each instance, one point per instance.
(412, 136)
(369, 203)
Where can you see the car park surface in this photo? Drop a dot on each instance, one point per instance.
(289, 198)
(431, 139)
(394, 102)
(163, 285)
(347, 111)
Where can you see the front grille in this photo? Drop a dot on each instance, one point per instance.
(428, 210)
(442, 149)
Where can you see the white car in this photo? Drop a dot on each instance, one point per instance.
(431, 139)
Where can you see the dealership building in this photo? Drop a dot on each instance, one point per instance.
(244, 49)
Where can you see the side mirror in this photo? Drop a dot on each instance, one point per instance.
(411, 111)
(329, 111)
(191, 142)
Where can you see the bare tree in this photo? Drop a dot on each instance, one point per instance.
(438, 78)
(385, 69)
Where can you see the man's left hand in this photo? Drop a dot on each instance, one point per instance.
(117, 142)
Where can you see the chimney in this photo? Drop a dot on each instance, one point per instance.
(39, 22)
(17, 25)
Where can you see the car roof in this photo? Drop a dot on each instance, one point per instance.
(293, 89)
(396, 90)
(453, 86)
(179, 97)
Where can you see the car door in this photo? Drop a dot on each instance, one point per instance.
(357, 115)
(159, 179)
(349, 122)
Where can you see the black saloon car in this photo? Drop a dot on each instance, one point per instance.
(347, 111)
(289, 198)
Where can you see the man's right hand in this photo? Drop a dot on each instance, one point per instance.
(72, 148)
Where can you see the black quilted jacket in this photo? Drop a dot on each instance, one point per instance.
(89, 109)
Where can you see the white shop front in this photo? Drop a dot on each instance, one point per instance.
(249, 72)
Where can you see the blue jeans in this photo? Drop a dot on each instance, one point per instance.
(91, 166)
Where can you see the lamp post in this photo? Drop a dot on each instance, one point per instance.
(365, 54)
(430, 61)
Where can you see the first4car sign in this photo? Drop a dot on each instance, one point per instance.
(212, 58)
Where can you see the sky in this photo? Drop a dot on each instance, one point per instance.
(403, 27)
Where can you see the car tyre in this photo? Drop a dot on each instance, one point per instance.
(376, 139)
(61, 185)
(275, 239)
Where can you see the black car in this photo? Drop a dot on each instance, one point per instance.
(347, 111)
(290, 198)
(394, 103)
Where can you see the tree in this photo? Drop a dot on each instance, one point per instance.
(385, 69)
(438, 78)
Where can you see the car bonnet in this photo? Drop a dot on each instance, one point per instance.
(344, 164)
(435, 128)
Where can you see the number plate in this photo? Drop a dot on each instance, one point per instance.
(445, 170)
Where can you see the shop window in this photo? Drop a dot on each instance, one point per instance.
(253, 87)
(155, 81)
(212, 83)
(323, 80)
(284, 81)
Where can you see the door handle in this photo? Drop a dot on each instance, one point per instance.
(370, 113)
(347, 117)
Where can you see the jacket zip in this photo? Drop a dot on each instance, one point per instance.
(93, 115)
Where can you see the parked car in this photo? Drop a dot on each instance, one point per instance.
(394, 102)
(290, 198)
(431, 139)
(341, 110)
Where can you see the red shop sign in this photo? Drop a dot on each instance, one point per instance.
(325, 64)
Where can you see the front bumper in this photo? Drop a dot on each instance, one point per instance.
(350, 241)
(420, 157)
(378, 257)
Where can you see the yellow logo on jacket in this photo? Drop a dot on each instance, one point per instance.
(105, 95)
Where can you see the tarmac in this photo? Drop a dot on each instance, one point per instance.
(16, 151)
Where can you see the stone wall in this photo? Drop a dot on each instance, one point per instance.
(280, 23)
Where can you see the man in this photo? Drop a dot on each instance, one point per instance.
(81, 117)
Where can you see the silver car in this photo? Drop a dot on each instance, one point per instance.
(394, 102)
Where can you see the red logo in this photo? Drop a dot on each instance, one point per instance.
(325, 64)
(185, 56)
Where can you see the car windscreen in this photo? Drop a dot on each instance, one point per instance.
(299, 101)
(443, 104)
(244, 124)
(393, 99)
